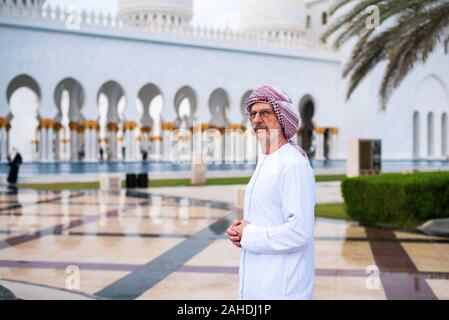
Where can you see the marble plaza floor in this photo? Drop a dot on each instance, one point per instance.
(143, 245)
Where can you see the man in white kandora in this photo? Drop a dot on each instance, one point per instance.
(277, 232)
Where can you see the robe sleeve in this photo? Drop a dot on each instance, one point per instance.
(298, 205)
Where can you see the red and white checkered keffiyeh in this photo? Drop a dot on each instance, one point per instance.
(287, 114)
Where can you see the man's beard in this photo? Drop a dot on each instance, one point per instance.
(267, 136)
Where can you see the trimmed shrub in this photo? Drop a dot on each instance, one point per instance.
(397, 198)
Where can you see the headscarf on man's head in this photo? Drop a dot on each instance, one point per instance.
(287, 115)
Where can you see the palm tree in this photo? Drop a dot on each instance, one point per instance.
(408, 33)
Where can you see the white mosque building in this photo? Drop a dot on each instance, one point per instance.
(124, 83)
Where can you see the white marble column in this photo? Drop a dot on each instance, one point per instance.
(50, 143)
(94, 143)
(90, 140)
(235, 143)
(129, 140)
(90, 113)
(112, 139)
(167, 135)
(3, 143)
(64, 147)
(73, 126)
(43, 141)
(81, 143)
(35, 151)
(132, 146)
(48, 111)
(319, 154)
(57, 142)
(251, 145)
(333, 143)
(4, 138)
(213, 142)
(88, 137)
(223, 145)
(156, 147)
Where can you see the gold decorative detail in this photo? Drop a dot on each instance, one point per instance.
(92, 125)
(46, 124)
(129, 125)
(155, 138)
(320, 130)
(221, 129)
(168, 126)
(201, 126)
(145, 130)
(112, 126)
(57, 127)
(4, 123)
(73, 125)
(80, 128)
(236, 126)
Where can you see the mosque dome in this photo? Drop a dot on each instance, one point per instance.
(168, 11)
(273, 17)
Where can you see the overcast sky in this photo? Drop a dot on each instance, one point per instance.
(217, 13)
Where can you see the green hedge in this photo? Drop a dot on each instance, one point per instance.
(397, 198)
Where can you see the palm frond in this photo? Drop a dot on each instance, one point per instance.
(414, 47)
(348, 19)
(418, 26)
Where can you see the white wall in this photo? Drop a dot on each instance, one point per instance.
(93, 55)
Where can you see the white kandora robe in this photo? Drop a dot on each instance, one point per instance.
(277, 260)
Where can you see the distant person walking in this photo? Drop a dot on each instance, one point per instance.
(81, 153)
(144, 155)
(14, 161)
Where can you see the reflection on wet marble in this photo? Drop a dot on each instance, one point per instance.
(101, 239)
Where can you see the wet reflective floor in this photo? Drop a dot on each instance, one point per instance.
(139, 245)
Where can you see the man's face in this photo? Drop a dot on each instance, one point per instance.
(264, 122)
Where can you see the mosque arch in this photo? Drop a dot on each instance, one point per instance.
(150, 103)
(111, 97)
(243, 105)
(77, 97)
(219, 104)
(307, 111)
(115, 94)
(185, 106)
(69, 97)
(432, 92)
(147, 94)
(23, 95)
(20, 81)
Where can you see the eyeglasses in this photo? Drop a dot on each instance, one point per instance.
(265, 114)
